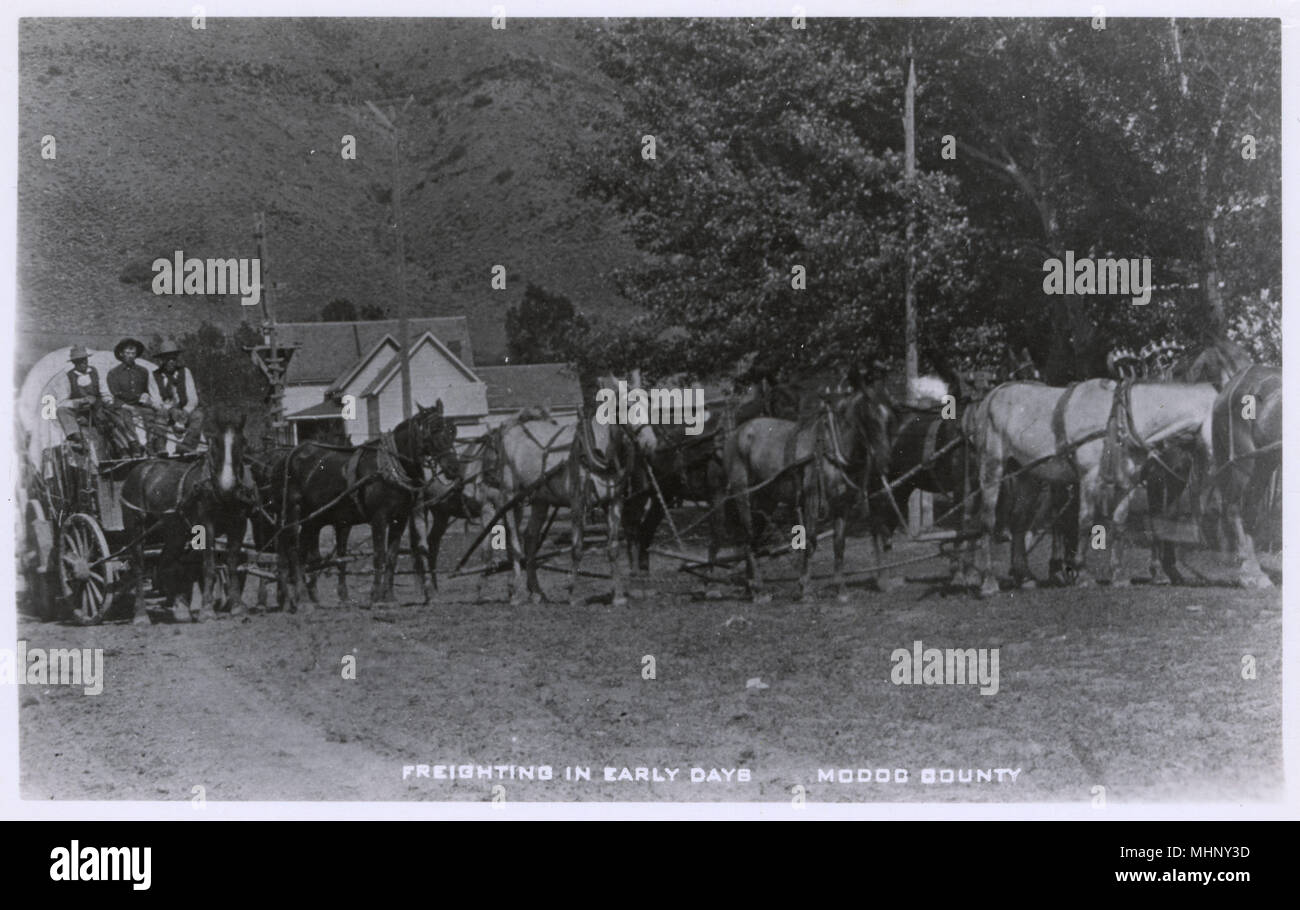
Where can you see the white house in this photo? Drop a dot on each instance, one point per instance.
(352, 368)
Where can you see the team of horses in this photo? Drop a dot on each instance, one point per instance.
(1073, 461)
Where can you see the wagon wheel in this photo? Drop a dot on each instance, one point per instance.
(86, 577)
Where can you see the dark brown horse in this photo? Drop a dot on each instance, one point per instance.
(377, 483)
(1247, 431)
(686, 468)
(821, 464)
(191, 504)
(445, 499)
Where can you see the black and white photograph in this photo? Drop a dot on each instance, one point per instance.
(821, 413)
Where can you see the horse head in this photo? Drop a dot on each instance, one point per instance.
(636, 431)
(434, 439)
(226, 451)
(870, 413)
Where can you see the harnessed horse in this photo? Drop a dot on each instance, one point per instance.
(1247, 452)
(548, 465)
(214, 493)
(1096, 432)
(828, 461)
(377, 483)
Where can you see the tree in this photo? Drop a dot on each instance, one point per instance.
(225, 374)
(544, 328)
(787, 172)
(340, 309)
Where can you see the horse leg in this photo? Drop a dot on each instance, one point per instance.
(515, 551)
(417, 553)
(393, 554)
(644, 533)
(613, 515)
(837, 545)
(1115, 543)
(209, 576)
(341, 534)
(236, 527)
(1249, 572)
(1021, 517)
(437, 528)
(141, 616)
(533, 542)
(379, 543)
(309, 559)
(754, 573)
(990, 486)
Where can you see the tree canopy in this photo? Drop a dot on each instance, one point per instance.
(777, 148)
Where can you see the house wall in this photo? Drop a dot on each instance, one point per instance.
(378, 363)
(299, 397)
(432, 377)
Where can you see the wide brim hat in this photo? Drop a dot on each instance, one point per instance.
(78, 353)
(117, 350)
(169, 347)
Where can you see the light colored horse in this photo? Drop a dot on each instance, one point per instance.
(578, 466)
(1084, 432)
(826, 463)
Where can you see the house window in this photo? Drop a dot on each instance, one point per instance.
(372, 416)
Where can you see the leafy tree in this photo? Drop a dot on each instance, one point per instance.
(340, 309)
(775, 149)
(226, 375)
(544, 328)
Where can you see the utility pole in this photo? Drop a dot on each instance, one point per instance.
(270, 355)
(403, 328)
(920, 506)
(909, 174)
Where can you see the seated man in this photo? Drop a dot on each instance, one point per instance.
(180, 396)
(85, 395)
(133, 388)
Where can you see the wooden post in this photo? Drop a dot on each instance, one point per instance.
(909, 174)
(403, 325)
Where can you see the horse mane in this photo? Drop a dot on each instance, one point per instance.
(531, 413)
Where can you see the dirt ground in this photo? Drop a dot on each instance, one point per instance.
(1139, 690)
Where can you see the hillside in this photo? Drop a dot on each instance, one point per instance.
(171, 138)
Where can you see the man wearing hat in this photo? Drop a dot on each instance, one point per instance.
(86, 394)
(133, 388)
(180, 396)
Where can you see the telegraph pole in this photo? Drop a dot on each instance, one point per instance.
(909, 174)
(270, 355)
(403, 328)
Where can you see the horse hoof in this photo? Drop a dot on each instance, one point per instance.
(989, 587)
(1260, 582)
(620, 601)
(199, 616)
(1121, 582)
(1028, 584)
(142, 618)
(714, 594)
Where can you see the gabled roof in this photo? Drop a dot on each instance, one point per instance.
(394, 366)
(325, 348)
(388, 342)
(548, 385)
